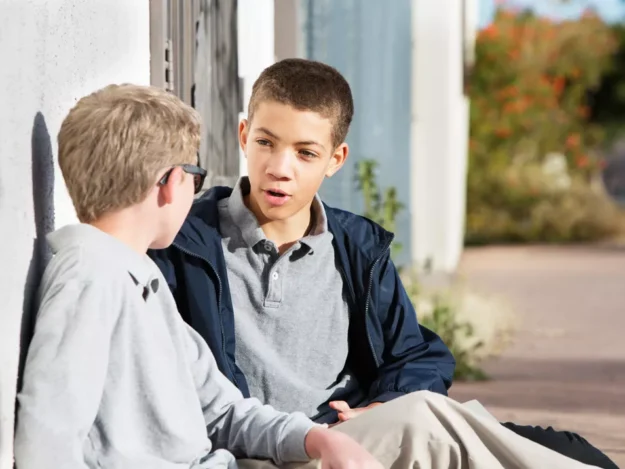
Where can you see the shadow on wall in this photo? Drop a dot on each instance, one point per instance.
(43, 211)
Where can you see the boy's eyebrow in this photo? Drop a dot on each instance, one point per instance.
(310, 142)
(268, 132)
(274, 136)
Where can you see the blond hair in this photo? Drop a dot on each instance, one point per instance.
(114, 142)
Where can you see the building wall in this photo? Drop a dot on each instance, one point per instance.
(442, 32)
(256, 48)
(404, 62)
(288, 29)
(53, 52)
(369, 42)
(218, 94)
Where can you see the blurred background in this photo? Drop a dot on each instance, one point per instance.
(488, 135)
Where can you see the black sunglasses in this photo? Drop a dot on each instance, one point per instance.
(199, 174)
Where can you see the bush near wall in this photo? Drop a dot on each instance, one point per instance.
(528, 97)
(525, 205)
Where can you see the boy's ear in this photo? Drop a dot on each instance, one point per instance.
(168, 190)
(243, 133)
(337, 160)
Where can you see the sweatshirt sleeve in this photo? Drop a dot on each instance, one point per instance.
(64, 375)
(244, 427)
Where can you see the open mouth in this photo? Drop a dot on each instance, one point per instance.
(276, 193)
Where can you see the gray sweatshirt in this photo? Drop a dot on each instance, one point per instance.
(114, 378)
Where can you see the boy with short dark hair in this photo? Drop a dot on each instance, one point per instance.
(272, 258)
(308, 293)
(114, 378)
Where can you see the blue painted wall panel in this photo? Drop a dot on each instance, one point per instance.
(369, 41)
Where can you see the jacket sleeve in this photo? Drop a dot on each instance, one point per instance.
(413, 357)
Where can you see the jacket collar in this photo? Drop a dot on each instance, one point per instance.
(353, 234)
(253, 234)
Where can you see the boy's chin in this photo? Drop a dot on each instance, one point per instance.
(279, 214)
(271, 212)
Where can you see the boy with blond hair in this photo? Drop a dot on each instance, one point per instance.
(114, 378)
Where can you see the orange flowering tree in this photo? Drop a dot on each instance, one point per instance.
(528, 94)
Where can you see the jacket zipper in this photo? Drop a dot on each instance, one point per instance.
(221, 328)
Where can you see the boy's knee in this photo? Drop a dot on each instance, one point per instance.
(409, 408)
(418, 400)
(419, 412)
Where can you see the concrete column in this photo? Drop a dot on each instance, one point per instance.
(287, 29)
(440, 116)
(256, 48)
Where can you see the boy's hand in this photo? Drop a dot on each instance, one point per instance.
(346, 412)
(338, 451)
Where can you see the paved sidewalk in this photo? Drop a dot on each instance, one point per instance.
(566, 367)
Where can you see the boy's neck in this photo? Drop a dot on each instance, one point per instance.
(283, 233)
(127, 228)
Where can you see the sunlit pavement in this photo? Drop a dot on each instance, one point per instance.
(566, 367)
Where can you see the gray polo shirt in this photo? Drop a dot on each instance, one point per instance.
(291, 319)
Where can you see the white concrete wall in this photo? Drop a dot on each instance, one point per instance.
(53, 52)
(288, 29)
(256, 48)
(440, 117)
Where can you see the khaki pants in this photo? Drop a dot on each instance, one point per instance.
(429, 431)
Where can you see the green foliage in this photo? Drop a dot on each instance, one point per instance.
(454, 333)
(529, 97)
(529, 90)
(607, 101)
(522, 205)
(383, 209)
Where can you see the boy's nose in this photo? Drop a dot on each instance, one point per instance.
(281, 166)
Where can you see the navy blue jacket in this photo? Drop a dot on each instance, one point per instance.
(389, 352)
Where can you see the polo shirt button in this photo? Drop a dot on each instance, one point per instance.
(275, 276)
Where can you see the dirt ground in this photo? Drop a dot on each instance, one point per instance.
(566, 365)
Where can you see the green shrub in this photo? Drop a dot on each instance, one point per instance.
(379, 207)
(440, 314)
(529, 97)
(522, 205)
(454, 333)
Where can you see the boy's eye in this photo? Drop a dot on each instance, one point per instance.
(307, 154)
(263, 142)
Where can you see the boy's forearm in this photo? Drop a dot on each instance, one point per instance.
(255, 430)
(262, 432)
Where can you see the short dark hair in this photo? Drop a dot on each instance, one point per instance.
(307, 85)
